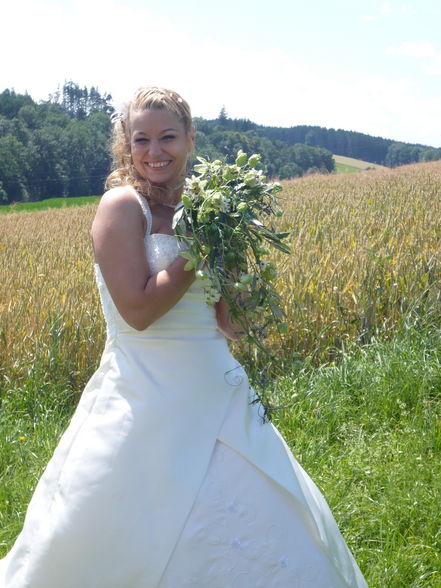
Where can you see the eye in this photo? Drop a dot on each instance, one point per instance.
(140, 140)
(168, 137)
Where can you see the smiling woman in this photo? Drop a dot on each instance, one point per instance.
(160, 147)
(154, 132)
(167, 476)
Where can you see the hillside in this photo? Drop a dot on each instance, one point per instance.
(350, 164)
(354, 144)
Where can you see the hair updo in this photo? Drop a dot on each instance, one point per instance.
(146, 98)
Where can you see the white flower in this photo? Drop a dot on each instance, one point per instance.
(219, 202)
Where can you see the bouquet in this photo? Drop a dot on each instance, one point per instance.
(225, 220)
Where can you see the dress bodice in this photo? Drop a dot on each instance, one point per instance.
(191, 313)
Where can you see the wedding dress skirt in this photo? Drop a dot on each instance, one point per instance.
(167, 477)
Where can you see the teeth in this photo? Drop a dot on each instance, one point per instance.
(158, 164)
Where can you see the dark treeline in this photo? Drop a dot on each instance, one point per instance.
(222, 139)
(357, 145)
(54, 148)
(349, 143)
(60, 147)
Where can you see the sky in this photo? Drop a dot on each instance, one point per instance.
(369, 66)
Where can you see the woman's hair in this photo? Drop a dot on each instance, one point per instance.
(147, 98)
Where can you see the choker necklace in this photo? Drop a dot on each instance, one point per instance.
(179, 185)
(167, 204)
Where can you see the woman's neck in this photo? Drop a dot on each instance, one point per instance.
(166, 197)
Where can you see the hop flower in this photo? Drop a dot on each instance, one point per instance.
(254, 160)
(220, 202)
(211, 289)
(253, 178)
(241, 158)
(276, 187)
(195, 185)
(227, 173)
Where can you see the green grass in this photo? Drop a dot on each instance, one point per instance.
(32, 420)
(367, 429)
(342, 168)
(345, 164)
(48, 203)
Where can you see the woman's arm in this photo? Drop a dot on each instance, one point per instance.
(228, 328)
(118, 240)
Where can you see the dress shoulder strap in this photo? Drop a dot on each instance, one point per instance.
(145, 209)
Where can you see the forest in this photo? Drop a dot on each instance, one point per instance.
(60, 147)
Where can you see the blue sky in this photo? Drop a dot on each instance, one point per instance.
(370, 66)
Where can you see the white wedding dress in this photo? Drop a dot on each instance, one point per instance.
(167, 477)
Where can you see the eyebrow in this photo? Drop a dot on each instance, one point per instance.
(163, 131)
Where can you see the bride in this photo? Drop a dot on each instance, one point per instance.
(166, 476)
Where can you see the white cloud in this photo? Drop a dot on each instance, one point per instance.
(368, 17)
(386, 9)
(420, 50)
(94, 43)
(433, 70)
(119, 48)
(379, 106)
(414, 49)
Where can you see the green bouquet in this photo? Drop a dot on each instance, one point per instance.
(225, 220)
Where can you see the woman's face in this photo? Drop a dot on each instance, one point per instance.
(160, 146)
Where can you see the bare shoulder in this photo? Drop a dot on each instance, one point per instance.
(119, 223)
(118, 207)
(117, 199)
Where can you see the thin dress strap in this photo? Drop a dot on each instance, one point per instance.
(145, 209)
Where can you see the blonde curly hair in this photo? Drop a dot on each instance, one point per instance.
(146, 98)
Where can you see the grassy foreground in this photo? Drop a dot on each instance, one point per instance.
(368, 431)
(361, 359)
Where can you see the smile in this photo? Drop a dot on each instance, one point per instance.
(157, 164)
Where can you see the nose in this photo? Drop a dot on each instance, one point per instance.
(154, 147)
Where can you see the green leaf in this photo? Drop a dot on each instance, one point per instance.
(281, 247)
(189, 265)
(187, 255)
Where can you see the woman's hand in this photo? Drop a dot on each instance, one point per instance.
(226, 326)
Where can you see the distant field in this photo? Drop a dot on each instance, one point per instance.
(350, 165)
(47, 204)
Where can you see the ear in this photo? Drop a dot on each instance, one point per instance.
(192, 138)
